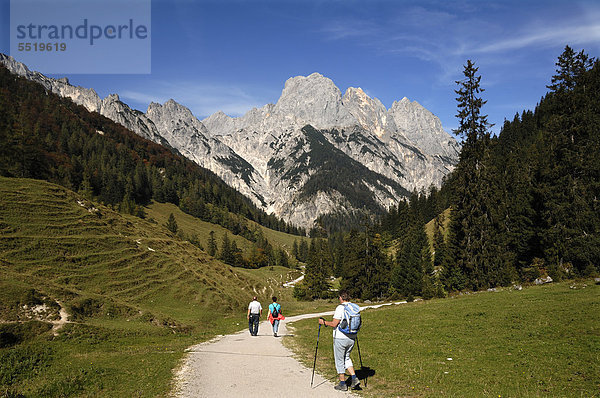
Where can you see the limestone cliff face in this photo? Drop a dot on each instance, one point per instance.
(311, 153)
(405, 145)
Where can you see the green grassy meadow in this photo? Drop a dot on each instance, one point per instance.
(543, 341)
(136, 296)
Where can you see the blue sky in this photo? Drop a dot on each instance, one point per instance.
(232, 55)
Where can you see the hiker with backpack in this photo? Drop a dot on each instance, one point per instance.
(275, 315)
(346, 323)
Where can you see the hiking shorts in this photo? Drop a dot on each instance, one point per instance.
(341, 353)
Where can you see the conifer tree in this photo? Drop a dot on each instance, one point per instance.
(211, 247)
(282, 258)
(303, 251)
(316, 276)
(474, 251)
(226, 254)
(413, 262)
(569, 68)
(295, 249)
(172, 224)
(237, 258)
(364, 267)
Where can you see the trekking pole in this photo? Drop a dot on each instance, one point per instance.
(359, 356)
(315, 362)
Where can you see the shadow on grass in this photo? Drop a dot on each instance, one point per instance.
(363, 375)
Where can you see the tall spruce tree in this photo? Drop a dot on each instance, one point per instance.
(295, 250)
(316, 274)
(227, 255)
(569, 164)
(474, 250)
(413, 269)
(569, 69)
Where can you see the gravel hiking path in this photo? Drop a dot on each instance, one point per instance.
(240, 365)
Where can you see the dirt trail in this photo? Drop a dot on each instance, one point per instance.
(64, 319)
(239, 365)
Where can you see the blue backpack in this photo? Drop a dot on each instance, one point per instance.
(350, 324)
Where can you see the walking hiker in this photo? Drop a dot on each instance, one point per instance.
(275, 315)
(346, 322)
(254, 313)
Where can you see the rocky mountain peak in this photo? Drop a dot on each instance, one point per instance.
(423, 128)
(369, 112)
(219, 123)
(172, 118)
(112, 98)
(285, 166)
(172, 108)
(314, 99)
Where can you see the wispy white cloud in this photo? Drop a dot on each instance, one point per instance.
(351, 28)
(447, 37)
(201, 98)
(547, 36)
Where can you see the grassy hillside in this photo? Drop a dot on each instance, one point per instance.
(430, 227)
(194, 226)
(281, 239)
(539, 342)
(136, 296)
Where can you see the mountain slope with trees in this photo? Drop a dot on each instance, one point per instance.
(44, 136)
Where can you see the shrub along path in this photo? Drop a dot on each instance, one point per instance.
(239, 365)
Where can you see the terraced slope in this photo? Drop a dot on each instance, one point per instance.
(52, 238)
(130, 288)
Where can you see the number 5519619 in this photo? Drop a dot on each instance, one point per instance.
(42, 46)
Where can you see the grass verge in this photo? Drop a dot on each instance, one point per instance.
(540, 342)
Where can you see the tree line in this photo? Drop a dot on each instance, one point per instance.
(525, 203)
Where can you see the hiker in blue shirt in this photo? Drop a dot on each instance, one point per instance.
(275, 315)
(343, 341)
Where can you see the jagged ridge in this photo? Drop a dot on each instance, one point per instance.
(266, 156)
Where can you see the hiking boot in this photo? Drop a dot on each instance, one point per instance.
(341, 387)
(355, 382)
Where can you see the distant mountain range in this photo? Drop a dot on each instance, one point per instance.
(314, 152)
